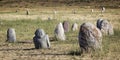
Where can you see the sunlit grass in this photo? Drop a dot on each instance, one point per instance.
(25, 27)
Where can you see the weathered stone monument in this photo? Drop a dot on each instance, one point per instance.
(74, 27)
(11, 35)
(27, 12)
(90, 37)
(105, 27)
(41, 40)
(59, 32)
(92, 10)
(66, 26)
(103, 9)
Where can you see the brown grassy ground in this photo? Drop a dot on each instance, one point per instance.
(25, 26)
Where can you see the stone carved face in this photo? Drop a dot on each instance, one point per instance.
(39, 33)
(41, 40)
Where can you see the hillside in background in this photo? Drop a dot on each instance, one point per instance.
(54, 3)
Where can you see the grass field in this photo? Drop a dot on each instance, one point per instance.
(25, 26)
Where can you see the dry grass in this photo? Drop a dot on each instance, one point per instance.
(25, 26)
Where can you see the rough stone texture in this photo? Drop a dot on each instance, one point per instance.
(105, 27)
(89, 37)
(66, 26)
(59, 32)
(74, 27)
(11, 35)
(41, 40)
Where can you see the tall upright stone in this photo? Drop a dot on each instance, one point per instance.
(74, 11)
(59, 32)
(105, 27)
(16, 11)
(103, 9)
(27, 12)
(111, 30)
(49, 18)
(74, 27)
(55, 12)
(11, 35)
(90, 37)
(92, 10)
(41, 40)
(66, 26)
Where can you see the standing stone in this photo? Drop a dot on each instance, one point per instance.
(66, 26)
(92, 10)
(59, 32)
(16, 11)
(11, 35)
(74, 11)
(74, 27)
(110, 31)
(41, 40)
(89, 37)
(103, 9)
(99, 23)
(55, 12)
(105, 27)
(49, 18)
(27, 12)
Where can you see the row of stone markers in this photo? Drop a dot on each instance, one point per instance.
(61, 29)
(66, 26)
(90, 36)
(41, 40)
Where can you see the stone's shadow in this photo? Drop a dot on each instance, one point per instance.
(52, 39)
(3, 45)
(29, 49)
(47, 54)
(75, 53)
(27, 41)
(16, 49)
(9, 49)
